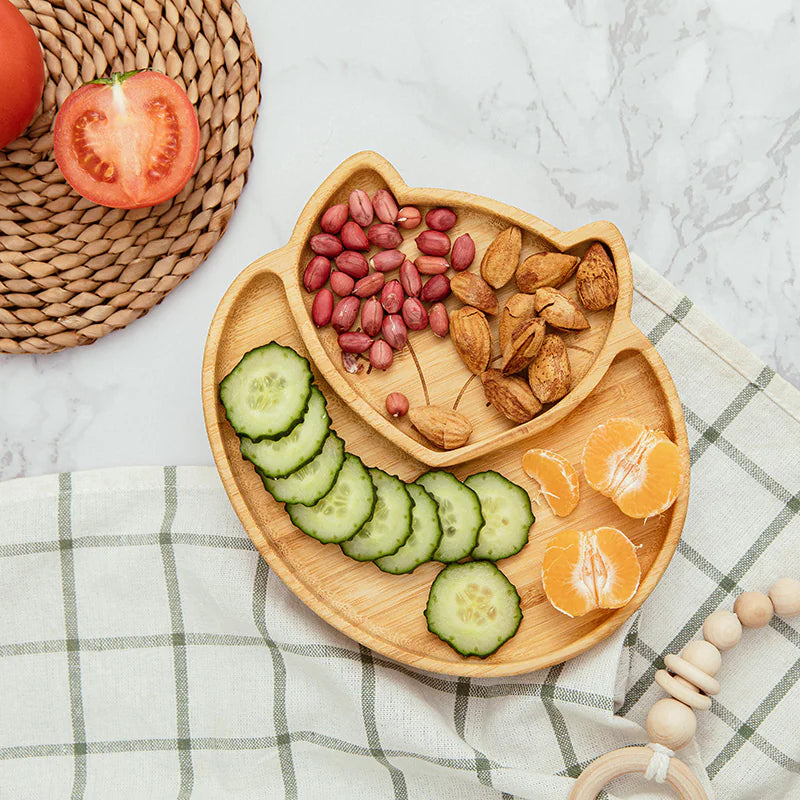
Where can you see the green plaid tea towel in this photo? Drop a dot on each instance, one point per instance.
(147, 651)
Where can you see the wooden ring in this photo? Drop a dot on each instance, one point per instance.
(702, 680)
(634, 759)
(685, 694)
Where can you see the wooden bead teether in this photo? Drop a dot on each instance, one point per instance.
(723, 630)
(671, 723)
(754, 609)
(703, 655)
(689, 678)
(785, 596)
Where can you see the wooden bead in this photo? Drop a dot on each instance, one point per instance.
(723, 630)
(703, 655)
(671, 723)
(682, 668)
(754, 609)
(785, 596)
(682, 690)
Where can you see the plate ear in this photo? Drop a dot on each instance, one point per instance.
(365, 170)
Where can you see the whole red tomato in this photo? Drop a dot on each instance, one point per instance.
(128, 141)
(21, 73)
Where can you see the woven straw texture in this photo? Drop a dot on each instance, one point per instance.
(72, 271)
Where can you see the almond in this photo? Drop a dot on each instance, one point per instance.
(510, 395)
(472, 338)
(472, 290)
(558, 310)
(518, 311)
(545, 269)
(596, 280)
(549, 372)
(445, 428)
(522, 348)
(502, 257)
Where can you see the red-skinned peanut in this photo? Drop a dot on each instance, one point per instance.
(316, 273)
(345, 313)
(360, 207)
(353, 238)
(371, 316)
(392, 297)
(387, 260)
(381, 355)
(370, 285)
(436, 288)
(326, 244)
(394, 331)
(440, 219)
(463, 253)
(438, 319)
(414, 314)
(353, 264)
(433, 243)
(322, 308)
(408, 217)
(341, 283)
(410, 279)
(385, 206)
(333, 219)
(354, 342)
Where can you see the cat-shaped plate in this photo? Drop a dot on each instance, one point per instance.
(615, 372)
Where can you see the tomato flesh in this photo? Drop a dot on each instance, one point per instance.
(21, 73)
(130, 142)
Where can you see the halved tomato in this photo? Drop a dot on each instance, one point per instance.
(21, 73)
(128, 141)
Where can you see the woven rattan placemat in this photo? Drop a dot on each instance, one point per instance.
(70, 270)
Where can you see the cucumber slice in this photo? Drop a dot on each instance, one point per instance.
(426, 531)
(507, 515)
(390, 524)
(459, 513)
(341, 512)
(473, 607)
(265, 395)
(276, 458)
(313, 481)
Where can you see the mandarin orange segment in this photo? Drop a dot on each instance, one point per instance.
(556, 477)
(585, 570)
(640, 469)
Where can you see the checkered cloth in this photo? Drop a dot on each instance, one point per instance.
(146, 651)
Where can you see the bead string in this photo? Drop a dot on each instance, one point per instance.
(689, 677)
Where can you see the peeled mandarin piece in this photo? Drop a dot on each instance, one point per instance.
(641, 470)
(656, 484)
(556, 477)
(584, 570)
(671, 723)
(703, 655)
(754, 609)
(785, 596)
(606, 446)
(565, 582)
(723, 630)
(622, 570)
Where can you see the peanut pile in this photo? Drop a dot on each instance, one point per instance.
(388, 309)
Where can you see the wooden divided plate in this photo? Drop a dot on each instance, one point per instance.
(615, 372)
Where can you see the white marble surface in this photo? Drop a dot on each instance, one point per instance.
(679, 122)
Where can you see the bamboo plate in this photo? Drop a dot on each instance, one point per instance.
(616, 372)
